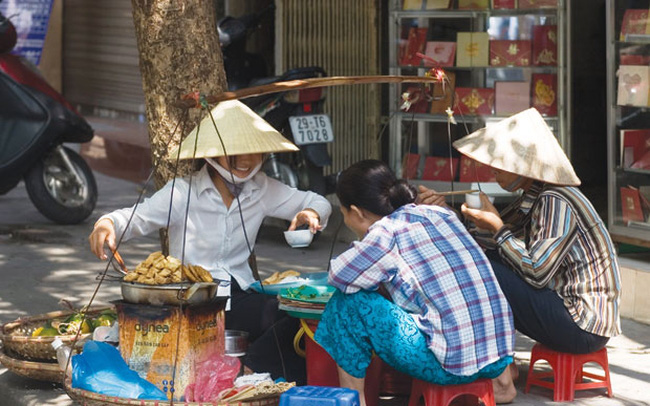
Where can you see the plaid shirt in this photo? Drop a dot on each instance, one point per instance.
(433, 269)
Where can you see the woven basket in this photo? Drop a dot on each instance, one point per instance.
(42, 371)
(16, 336)
(87, 398)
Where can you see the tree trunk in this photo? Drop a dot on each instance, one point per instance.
(179, 54)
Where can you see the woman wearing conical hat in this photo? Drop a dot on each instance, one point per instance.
(229, 199)
(550, 251)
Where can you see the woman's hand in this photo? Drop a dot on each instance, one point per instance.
(103, 233)
(309, 217)
(430, 196)
(487, 217)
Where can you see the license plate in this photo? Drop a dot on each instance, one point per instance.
(311, 129)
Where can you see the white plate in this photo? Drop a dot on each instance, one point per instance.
(311, 129)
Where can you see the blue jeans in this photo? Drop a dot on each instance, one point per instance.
(353, 326)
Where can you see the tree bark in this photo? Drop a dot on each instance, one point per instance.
(179, 54)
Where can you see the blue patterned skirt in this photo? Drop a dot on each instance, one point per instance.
(353, 326)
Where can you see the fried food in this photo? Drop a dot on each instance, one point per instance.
(158, 269)
(278, 277)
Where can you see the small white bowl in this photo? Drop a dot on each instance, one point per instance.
(473, 200)
(298, 238)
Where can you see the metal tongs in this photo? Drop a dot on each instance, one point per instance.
(118, 258)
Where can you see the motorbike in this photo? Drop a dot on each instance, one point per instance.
(35, 121)
(298, 115)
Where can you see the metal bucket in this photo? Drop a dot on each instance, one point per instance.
(236, 343)
(170, 294)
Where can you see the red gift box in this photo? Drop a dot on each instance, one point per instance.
(473, 171)
(509, 53)
(415, 43)
(442, 52)
(545, 45)
(632, 59)
(631, 205)
(474, 101)
(500, 4)
(410, 166)
(414, 100)
(439, 168)
(544, 93)
(526, 4)
(511, 97)
(635, 21)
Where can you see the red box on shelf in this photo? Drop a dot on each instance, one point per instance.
(545, 45)
(439, 168)
(415, 43)
(473, 171)
(501, 4)
(510, 53)
(544, 93)
(631, 205)
(527, 4)
(474, 101)
(635, 21)
(443, 52)
(410, 166)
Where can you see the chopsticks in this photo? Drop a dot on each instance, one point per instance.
(457, 192)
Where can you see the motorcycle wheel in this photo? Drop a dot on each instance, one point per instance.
(55, 192)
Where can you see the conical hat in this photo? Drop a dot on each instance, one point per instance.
(521, 144)
(242, 131)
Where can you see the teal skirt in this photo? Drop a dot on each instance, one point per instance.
(353, 326)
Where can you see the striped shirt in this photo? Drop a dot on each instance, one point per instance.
(434, 270)
(555, 239)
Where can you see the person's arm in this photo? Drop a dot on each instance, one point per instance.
(149, 216)
(295, 205)
(552, 232)
(366, 264)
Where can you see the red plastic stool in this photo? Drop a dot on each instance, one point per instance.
(443, 395)
(567, 372)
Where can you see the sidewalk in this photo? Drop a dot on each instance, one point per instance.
(42, 263)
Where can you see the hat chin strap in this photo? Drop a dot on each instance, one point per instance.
(228, 176)
(515, 184)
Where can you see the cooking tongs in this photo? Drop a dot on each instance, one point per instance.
(118, 258)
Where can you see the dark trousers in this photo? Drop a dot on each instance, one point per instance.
(271, 333)
(541, 315)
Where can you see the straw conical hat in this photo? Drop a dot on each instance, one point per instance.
(521, 144)
(242, 131)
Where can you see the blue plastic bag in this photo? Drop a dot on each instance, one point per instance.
(101, 369)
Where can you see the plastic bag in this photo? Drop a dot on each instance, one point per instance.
(213, 376)
(101, 369)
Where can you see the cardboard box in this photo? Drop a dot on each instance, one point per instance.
(443, 95)
(149, 337)
(544, 45)
(633, 85)
(472, 49)
(510, 53)
(544, 92)
(412, 5)
(511, 97)
(474, 101)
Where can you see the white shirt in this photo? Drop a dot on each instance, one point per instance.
(215, 237)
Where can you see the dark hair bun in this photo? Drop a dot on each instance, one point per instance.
(401, 193)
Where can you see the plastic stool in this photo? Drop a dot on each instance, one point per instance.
(567, 372)
(319, 396)
(322, 370)
(443, 395)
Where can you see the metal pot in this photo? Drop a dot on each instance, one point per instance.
(170, 294)
(236, 343)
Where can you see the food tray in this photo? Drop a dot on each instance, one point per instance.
(88, 398)
(41, 371)
(16, 336)
(311, 279)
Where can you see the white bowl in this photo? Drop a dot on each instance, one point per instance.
(298, 238)
(473, 200)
